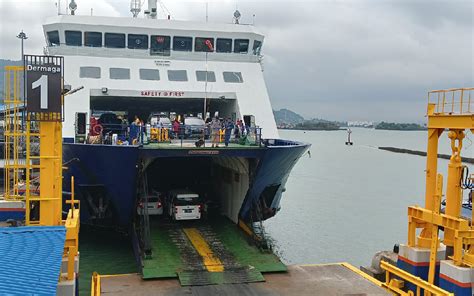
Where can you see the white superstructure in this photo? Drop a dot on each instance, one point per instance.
(153, 65)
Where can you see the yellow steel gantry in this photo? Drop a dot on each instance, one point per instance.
(24, 167)
(448, 110)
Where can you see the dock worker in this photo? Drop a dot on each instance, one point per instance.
(228, 126)
(215, 127)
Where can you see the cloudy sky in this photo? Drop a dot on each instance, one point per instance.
(344, 60)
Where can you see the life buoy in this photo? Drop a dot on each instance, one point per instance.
(97, 129)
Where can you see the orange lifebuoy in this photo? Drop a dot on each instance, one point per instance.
(97, 129)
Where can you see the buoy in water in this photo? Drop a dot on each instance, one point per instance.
(349, 142)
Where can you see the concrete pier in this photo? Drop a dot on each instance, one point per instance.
(330, 279)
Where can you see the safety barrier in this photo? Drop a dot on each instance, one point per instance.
(457, 101)
(396, 277)
(122, 134)
(95, 284)
(71, 245)
(159, 134)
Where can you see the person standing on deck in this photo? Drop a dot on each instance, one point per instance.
(229, 125)
(176, 126)
(237, 129)
(215, 127)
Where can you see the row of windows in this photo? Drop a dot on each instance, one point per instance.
(158, 44)
(153, 74)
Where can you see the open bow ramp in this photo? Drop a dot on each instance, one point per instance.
(209, 252)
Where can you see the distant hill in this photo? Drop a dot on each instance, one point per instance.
(316, 125)
(287, 117)
(399, 126)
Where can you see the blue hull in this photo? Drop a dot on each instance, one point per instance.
(106, 176)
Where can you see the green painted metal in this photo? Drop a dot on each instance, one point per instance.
(166, 257)
(174, 256)
(104, 251)
(244, 252)
(188, 145)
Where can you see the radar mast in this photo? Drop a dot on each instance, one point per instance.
(135, 7)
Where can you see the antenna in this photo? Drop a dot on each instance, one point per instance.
(165, 9)
(73, 7)
(135, 7)
(151, 11)
(237, 16)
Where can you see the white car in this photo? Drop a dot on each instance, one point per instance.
(155, 206)
(184, 205)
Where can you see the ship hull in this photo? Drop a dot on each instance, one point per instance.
(107, 177)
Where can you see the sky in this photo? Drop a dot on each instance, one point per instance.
(341, 60)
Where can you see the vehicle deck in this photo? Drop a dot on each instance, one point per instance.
(211, 251)
(187, 144)
(330, 279)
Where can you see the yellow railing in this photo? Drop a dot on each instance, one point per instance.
(72, 223)
(95, 284)
(454, 101)
(159, 134)
(15, 163)
(396, 284)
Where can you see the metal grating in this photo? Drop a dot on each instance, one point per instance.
(30, 259)
(233, 276)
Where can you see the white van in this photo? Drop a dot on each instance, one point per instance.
(184, 205)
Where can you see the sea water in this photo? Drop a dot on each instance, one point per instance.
(345, 203)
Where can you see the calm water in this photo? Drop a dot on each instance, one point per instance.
(347, 202)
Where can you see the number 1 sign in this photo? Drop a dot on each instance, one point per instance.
(44, 84)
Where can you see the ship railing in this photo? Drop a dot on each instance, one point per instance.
(135, 134)
(454, 101)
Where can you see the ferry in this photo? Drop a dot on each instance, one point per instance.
(128, 68)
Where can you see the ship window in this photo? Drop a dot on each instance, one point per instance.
(93, 39)
(114, 40)
(257, 47)
(149, 74)
(160, 45)
(241, 45)
(233, 77)
(177, 75)
(53, 38)
(224, 45)
(89, 72)
(204, 44)
(74, 38)
(201, 76)
(137, 41)
(183, 43)
(119, 73)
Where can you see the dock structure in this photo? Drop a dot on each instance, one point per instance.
(330, 279)
(44, 254)
(446, 263)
